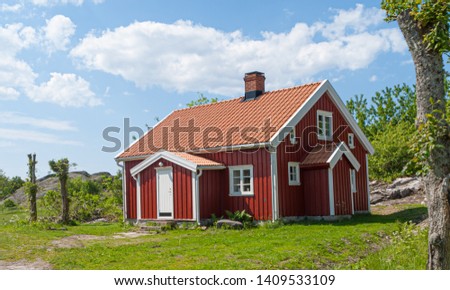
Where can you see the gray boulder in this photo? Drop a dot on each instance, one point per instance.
(397, 190)
(403, 187)
(230, 223)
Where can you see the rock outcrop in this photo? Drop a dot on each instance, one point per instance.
(51, 182)
(402, 190)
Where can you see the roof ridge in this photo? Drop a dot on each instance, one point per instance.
(209, 104)
(234, 99)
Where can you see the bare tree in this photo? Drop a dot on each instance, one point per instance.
(61, 169)
(31, 187)
(425, 27)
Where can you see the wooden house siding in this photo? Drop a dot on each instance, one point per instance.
(130, 188)
(292, 199)
(316, 196)
(259, 205)
(341, 188)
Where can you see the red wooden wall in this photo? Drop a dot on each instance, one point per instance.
(130, 188)
(361, 197)
(213, 188)
(259, 205)
(292, 198)
(341, 187)
(316, 196)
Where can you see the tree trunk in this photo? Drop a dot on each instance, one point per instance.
(65, 202)
(32, 194)
(430, 99)
(33, 207)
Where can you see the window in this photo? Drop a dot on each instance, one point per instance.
(325, 125)
(292, 137)
(241, 180)
(353, 180)
(351, 140)
(294, 173)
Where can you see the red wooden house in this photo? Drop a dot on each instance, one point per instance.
(294, 152)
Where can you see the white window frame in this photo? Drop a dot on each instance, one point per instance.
(324, 115)
(295, 165)
(353, 180)
(351, 140)
(292, 136)
(241, 168)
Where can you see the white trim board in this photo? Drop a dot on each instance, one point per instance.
(340, 150)
(349, 118)
(274, 180)
(138, 198)
(169, 157)
(137, 140)
(367, 181)
(331, 191)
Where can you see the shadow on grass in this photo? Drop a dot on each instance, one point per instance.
(415, 215)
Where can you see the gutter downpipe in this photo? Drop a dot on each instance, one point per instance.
(197, 195)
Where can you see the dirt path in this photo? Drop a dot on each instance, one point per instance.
(25, 265)
(75, 241)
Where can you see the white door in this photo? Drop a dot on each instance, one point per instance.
(165, 193)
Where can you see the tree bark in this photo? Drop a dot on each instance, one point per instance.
(65, 201)
(430, 99)
(32, 194)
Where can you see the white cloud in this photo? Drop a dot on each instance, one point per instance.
(17, 76)
(56, 2)
(66, 90)
(57, 32)
(15, 37)
(187, 57)
(373, 78)
(33, 136)
(15, 118)
(355, 20)
(10, 8)
(8, 94)
(50, 3)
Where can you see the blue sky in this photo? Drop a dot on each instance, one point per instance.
(71, 68)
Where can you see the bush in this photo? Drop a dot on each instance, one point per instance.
(9, 204)
(89, 200)
(392, 152)
(9, 185)
(50, 203)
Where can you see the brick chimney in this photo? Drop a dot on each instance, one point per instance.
(254, 85)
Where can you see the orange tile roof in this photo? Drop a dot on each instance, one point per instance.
(319, 155)
(200, 161)
(226, 123)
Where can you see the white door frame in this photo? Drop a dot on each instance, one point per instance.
(164, 170)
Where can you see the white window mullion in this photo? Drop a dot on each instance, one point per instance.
(324, 125)
(294, 173)
(241, 177)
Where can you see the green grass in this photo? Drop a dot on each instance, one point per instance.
(407, 251)
(378, 241)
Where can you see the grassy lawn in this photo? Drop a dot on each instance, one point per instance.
(377, 241)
